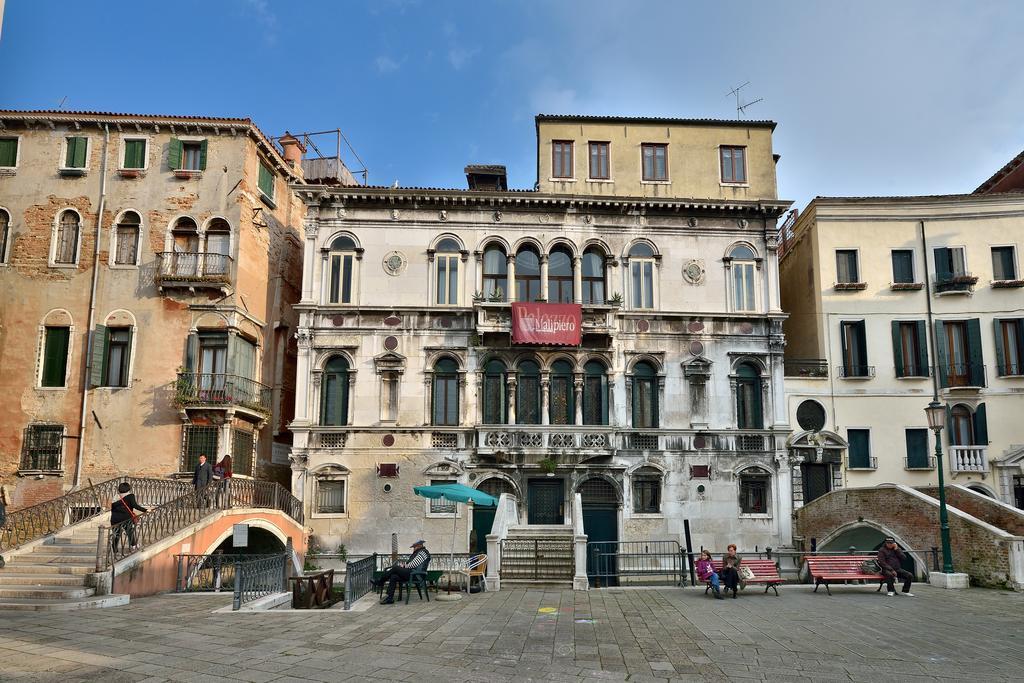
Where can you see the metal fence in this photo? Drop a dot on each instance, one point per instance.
(194, 388)
(37, 521)
(613, 563)
(259, 578)
(531, 559)
(359, 578)
(208, 573)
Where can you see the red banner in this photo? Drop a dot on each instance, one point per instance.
(547, 324)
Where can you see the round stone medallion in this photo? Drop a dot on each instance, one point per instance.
(391, 343)
(696, 326)
(388, 440)
(696, 348)
(394, 263)
(699, 441)
(810, 415)
(392, 321)
(642, 326)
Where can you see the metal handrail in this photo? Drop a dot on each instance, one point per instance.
(35, 522)
(359, 578)
(208, 573)
(194, 266)
(258, 578)
(205, 388)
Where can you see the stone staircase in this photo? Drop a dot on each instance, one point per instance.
(538, 556)
(52, 575)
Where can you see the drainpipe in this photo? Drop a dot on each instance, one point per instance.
(90, 337)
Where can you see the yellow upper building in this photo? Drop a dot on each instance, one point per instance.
(655, 157)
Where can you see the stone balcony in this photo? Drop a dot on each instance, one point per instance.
(495, 317)
(968, 459)
(193, 271)
(529, 444)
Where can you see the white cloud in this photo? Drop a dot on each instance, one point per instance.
(459, 56)
(260, 11)
(386, 65)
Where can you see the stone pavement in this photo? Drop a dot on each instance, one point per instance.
(549, 635)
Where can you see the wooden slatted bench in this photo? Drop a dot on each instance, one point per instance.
(844, 568)
(765, 571)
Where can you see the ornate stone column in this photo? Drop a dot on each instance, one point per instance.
(511, 294)
(428, 382)
(351, 398)
(577, 279)
(480, 397)
(511, 398)
(577, 385)
(545, 399)
(463, 398)
(478, 261)
(309, 274)
(544, 277)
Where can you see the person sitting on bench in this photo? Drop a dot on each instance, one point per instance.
(890, 559)
(402, 571)
(731, 570)
(706, 572)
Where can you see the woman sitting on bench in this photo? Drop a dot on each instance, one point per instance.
(731, 569)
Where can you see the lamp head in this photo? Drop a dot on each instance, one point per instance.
(936, 413)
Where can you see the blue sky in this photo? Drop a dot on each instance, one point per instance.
(871, 97)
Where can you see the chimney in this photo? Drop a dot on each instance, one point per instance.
(292, 149)
(486, 177)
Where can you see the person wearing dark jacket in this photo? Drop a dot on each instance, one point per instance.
(201, 477)
(418, 561)
(890, 559)
(122, 517)
(731, 570)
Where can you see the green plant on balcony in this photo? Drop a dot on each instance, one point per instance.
(616, 300)
(478, 297)
(496, 295)
(548, 466)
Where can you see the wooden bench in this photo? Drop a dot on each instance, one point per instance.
(825, 570)
(765, 571)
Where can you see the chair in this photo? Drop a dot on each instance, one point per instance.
(477, 567)
(418, 579)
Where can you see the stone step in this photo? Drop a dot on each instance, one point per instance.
(63, 605)
(8, 578)
(45, 592)
(539, 584)
(41, 568)
(53, 558)
(70, 545)
(64, 565)
(540, 530)
(77, 549)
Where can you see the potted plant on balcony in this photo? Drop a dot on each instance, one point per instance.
(478, 297)
(548, 466)
(616, 300)
(496, 295)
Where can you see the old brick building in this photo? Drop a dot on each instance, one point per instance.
(148, 266)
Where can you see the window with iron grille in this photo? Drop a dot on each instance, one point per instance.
(647, 491)
(243, 444)
(330, 497)
(440, 506)
(754, 492)
(198, 440)
(598, 492)
(42, 447)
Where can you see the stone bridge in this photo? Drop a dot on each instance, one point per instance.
(987, 535)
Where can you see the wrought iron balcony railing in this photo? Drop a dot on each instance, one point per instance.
(186, 268)
(216, 389)
(962, 283)
(925, 463)
(962, 376)
(855, 371)
(806, 367)
(870, 463)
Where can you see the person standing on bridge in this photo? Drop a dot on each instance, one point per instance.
(890, 559)
(122, 516)
(201, 478)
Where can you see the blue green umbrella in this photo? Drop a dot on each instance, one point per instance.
(456, 493)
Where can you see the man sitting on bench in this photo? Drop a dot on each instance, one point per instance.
(890, 559)
(401, 572)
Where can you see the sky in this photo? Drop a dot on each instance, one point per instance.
(890, 98)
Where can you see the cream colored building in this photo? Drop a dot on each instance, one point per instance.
(893, 298)
(147, 265)
(670, 408)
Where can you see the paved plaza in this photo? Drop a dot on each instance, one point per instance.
(521, 635)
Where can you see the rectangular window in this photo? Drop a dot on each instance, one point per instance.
(74, 157)
(446, 399)
(1003, 265)
(655, 161)
(448, 280)
(127, 244)
(642, 271)
(855, 350)
(950, 262)
(42, 447)
(1010, 346)
(959, 352)
(599, 169)
(647, 495)
(134, 154)
(330, 497)
(266, 181)
(860, 449)
(561, 159)
(118, 352)
(903, 266)
(917, 449)
(191, 153)
(440, 506)
(8, 152)
(753, 495)
(910, 352)
(243, 445)
(199, 440)
(55, 356)
(734, 164)
(846, 266)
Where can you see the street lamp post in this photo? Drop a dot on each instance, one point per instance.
(936, 413)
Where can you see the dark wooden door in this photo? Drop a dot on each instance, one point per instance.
(483, 518)
(600, 524)
(817, 480)
(546, 500)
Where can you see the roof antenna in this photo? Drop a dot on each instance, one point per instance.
(741, 109)
(60, 106)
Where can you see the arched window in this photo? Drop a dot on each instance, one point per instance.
(218, 247)
(595, 394)
(446, 261)
(528, 393)
(495, 273)
(185, 245)
(560, 276)
(598, 492)
(341, 264)
(645, 395)
(127, 238)
(749, 414)
(562, 404)
(741, 262)
(68, 228)
(496, 486)
(5, 227)
(527, 274)
(593, 276)
(334, 393)
(961, 426)
(646, 490)
(495, 405)
(641, 274)
(754, 491)
(446, 392)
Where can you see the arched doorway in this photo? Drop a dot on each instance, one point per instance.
(601, 525)
(483, 516)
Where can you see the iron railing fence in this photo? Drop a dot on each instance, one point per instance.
(206, 388)
(190, 266)
(208, 573)
(612, 563)
(534, 559)
(128, 537)
(439, 561)
(37, 521)
(359, 578)
(805, 367)
(258, 578)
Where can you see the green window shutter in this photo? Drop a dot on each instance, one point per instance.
(1000, 351)
(980, 426)
(922, 348)
(174, 154)
(845, 346)
(202, 155)
(98, 359)
(266, 181)
(55, 356)
(192, 352)
(134, 153)
(917, 447)
(8, 152)
(943, 270)
(974, 352)
(81, 145)
(860, 448)
(897, 349)
(949, 422)
(941, 354)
